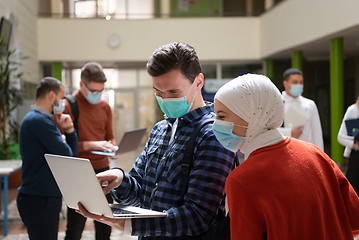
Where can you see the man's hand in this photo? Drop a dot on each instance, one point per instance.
(65, 121)
(99, 146)
(116, 223)
(110, 179)
(297, 131)
(63, 138)
(113, 142)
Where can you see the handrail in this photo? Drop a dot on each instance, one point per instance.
(147, 15)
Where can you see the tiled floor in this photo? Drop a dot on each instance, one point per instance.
(86, 235)
(17, 231)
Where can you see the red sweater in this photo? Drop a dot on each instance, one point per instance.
(291, 190)
(95, 124)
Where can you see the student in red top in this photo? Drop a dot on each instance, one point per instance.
(95, 132)
(286, 188)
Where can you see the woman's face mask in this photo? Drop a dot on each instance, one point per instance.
(224, 133)
(175, 107)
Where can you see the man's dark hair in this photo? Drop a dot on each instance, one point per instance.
(47, 85)
(174, 56)
(93, 72)
(291, 71)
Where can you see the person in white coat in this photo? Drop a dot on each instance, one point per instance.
(311, 131)
(351, 147)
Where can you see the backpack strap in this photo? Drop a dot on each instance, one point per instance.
(188, 154)
(187, 161)
(75, 110)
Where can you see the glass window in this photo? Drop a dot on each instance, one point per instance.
(140, 9)
(147, 106)
(112, 78)
(106, 7)
(85, 9)
(209, 71)
(233, 71)
(65, 76)
(76, 78)
(127, 78)
(123, 112)
(119, 9)
(145, 79)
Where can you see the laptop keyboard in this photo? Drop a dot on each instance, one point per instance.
(116, 211)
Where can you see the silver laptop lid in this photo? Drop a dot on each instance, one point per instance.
(129, 142)
(77, 182)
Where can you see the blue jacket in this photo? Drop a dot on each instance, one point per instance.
(39, 135)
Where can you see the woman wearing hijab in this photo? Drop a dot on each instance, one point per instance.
(286, 188)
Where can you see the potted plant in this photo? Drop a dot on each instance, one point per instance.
(10, 98)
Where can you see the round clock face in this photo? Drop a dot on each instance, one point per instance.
(113, 41)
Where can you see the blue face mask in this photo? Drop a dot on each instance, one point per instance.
(223, 132)
(175, 107)
(59, 108)
(296, 90)
(93, 98)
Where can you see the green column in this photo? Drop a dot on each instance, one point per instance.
(57, 70)
(270, 72)
(297, 60)
(270, 69)
(28, 90)
(157, 4)
(336, 96)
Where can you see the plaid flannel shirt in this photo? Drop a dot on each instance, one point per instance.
(156, 177)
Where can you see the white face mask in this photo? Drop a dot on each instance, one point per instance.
(223, 131)
(93, 98)
(296, 90)
(59, 108)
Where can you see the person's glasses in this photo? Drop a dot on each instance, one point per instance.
(95, 91)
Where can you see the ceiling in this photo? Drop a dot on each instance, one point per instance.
(319, 50)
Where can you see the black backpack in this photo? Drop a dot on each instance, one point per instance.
(75, 110)
(221, 229)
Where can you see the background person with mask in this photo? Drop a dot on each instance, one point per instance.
(286, 188)
(95, 132)
(155, 180)
(39, 200)
(312, 129)
(351, 146)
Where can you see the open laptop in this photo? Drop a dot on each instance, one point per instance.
(77, 182)
(129, 142)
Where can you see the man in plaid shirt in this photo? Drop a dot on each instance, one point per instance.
(156, 177)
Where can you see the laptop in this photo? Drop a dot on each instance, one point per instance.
(294, 118)
(77, 182)
(129, 142)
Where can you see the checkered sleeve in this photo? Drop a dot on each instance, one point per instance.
(130, 190)
(204, 197)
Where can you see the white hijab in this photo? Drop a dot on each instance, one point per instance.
(256, 100)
